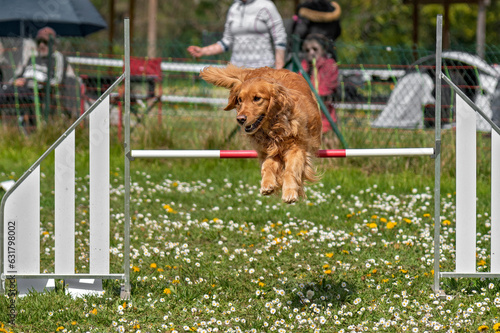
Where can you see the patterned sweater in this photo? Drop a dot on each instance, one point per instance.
(253, 30)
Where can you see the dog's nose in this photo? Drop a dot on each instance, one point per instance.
(241, 119)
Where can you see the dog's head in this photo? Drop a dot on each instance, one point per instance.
(257, 101)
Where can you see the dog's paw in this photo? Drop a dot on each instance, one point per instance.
(267, 189)
(290, 196)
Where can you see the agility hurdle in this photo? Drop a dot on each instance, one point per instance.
(465, 258)
(26, 267)
(20, 211)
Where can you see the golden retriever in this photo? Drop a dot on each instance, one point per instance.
(279, 113)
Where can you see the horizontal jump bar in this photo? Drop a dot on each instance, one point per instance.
(327, 153)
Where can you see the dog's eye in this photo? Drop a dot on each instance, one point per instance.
(256, 99)
(239, 100)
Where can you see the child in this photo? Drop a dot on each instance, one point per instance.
(323, 72)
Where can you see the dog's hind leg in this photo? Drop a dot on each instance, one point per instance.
(295, 160)
(269, 171)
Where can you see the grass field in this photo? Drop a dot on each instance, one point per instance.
(210, 254)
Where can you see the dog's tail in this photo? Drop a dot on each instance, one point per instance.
(226, 77)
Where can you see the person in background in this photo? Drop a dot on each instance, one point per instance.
(38, 70)
(35, 71)
(318, 17)
(255, 33)
(323, 72)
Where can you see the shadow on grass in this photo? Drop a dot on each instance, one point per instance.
(323, 291)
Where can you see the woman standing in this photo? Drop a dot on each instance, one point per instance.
(255, 33)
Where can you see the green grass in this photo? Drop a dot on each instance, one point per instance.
(209, 253)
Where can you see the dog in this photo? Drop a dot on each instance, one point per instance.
(279, 113)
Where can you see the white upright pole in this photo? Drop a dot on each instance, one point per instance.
(495, 202)
(99, 189)
(466, 188)
(64, 209)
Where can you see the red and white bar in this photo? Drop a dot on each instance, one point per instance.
(328, 153)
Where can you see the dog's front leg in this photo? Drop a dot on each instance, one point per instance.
(294, 159)
(269, 172)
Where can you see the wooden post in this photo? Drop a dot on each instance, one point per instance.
(446, 27)
(152, 10)
(481, 27)
(415, 28)
(111, 25)
(131, 10)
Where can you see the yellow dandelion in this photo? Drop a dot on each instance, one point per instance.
(372, 225)
(496, 327)
(446, 222)
(349, 216)
(94, 311)
(153, 265)
(167, 291)
(310, 204)
(176, 282)
(136, 269)
(329, 255)
(407, 220)
(45, 233)
(374, 271)
(427, 215)
(326, 266)
(261, 284)
(345, 251)
(481, 262)
(60, 328)
(482, 328)
(374, 217)
(391, 225)
(404, 271)
(175, 184)
(328, 271)
(383, 219)
(160, 269)
(73, 323)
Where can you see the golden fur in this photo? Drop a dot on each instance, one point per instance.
(280, 114)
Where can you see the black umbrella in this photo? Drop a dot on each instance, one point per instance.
(68, 17)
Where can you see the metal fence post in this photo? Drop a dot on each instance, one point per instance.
(437, 154)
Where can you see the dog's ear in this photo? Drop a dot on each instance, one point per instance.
(281, 100)
(233, 97)
(226, 77)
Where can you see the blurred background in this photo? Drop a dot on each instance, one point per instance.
(384, 56)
